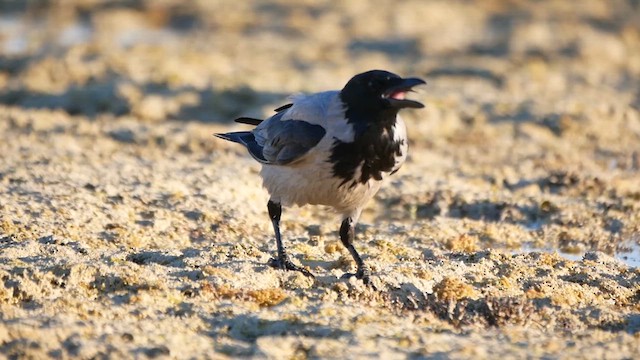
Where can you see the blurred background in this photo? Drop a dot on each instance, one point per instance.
(212, 60)
(128, 230)
(532, 124)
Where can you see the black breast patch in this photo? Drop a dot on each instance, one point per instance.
(375, 150)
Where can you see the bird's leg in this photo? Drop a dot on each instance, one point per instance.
(282, 262)
(347, 235)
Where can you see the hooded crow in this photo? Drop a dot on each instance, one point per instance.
(332, 148)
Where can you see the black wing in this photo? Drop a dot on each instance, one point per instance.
(283, 107)
(256, 122)
(248, 121)
(286, 141)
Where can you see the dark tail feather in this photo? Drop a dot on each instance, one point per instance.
(248, 120)
(247, 139)
(240, 137)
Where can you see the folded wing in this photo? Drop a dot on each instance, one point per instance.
(284, 142)
(276, 141)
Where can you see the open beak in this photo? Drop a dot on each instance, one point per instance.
(395, 95)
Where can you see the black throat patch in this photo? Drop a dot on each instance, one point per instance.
(373, 148)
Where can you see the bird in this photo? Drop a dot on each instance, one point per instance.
(331, 148)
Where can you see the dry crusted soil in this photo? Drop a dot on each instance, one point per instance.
(128, 231)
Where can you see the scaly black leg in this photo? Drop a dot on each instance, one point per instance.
(347, 235)
(282, 262)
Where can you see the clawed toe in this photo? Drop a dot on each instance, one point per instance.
(286, 264)
(363, 275)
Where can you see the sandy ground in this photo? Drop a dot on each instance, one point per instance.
(128, 231)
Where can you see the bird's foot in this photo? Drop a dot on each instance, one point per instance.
(285, 264)
(364, 275)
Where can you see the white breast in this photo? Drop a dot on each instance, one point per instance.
(311, 181)
(400, 134)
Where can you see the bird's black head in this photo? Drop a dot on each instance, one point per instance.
(379, 90)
